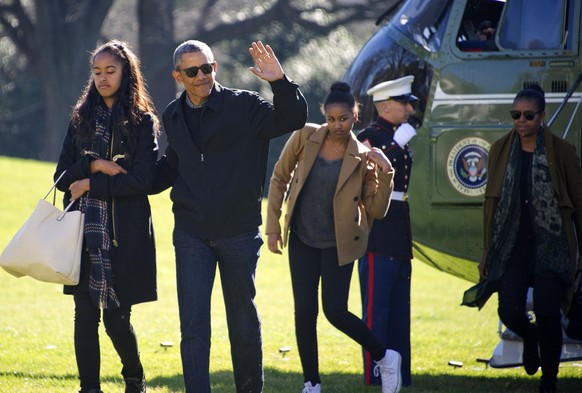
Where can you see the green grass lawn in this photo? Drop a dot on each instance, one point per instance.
(36, 324)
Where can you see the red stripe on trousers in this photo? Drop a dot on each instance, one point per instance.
(368, 360)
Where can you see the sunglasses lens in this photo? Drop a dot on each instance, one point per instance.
(207, 68)
(193, 71)
(528, 115)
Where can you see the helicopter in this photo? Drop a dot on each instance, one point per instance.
(469, 58)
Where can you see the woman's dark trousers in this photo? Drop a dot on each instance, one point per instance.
(547, 295)
(119, 329)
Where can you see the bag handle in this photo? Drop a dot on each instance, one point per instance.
(62, 215)
(54, 185)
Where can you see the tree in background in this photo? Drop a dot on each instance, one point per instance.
(44, 48)
(156, 45)
(19, 107)
(53, 37)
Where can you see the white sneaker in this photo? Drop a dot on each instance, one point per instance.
(389, 370)
(309, 388)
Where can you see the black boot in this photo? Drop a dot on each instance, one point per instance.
(90, 391)
(136, 384)
(531, 355)
(548, 385)
(550, 339)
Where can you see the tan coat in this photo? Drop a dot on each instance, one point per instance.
(362, 193)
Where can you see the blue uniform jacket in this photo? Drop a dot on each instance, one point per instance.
(391, 235)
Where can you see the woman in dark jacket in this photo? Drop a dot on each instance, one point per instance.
(532, 231)
(108, 157)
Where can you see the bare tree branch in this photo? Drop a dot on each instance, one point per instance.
(285, 12)
(206, 11)
(21, 33)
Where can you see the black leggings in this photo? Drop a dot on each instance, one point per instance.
(547, 295)
(307, 265)
(119, 329)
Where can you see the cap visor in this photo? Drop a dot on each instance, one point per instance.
(404, 98)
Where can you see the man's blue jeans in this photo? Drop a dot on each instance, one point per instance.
(196, 261)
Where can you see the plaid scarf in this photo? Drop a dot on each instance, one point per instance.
(97, 223)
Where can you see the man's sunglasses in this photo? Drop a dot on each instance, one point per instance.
(528, 115)
(193, 71)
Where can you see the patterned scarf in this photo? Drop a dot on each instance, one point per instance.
(551, 250)
(97, 223)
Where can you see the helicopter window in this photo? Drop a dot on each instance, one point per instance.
(570, 33)
(479, 25)
(424, 21)
(539, 25)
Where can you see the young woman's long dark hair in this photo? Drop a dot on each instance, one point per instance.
(132, 101)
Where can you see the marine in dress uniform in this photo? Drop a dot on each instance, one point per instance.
(385, 269)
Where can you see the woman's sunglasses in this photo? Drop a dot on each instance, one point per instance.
(193, 71)
(528, 115)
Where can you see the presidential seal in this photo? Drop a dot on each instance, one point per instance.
(467, 166)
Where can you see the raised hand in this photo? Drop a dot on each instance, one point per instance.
(267, 66)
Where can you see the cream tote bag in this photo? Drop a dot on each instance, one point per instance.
(48, 246)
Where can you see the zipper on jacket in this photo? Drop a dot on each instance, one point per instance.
(115, 244)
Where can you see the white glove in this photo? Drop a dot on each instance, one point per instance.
(403, 134)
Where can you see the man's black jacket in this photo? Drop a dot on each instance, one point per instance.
(217, 188)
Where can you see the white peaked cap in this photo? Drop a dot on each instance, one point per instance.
(398, 90)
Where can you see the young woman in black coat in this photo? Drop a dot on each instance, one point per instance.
(108, 157)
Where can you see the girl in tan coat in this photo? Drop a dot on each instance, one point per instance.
(338, 186)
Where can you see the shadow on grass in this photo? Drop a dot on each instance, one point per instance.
(277, 381)
(28, 375)
(480, 384)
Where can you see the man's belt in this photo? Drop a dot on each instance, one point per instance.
(399, 196)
